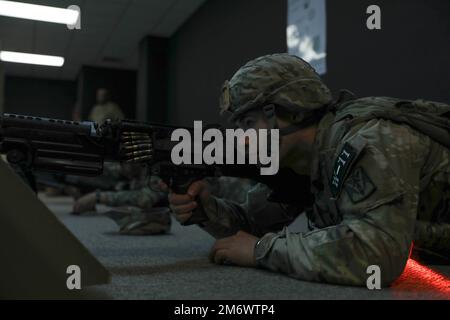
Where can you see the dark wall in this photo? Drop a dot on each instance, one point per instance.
(120, 83)
(2, 87)
(408, 58)
(40, 97)
(152, 79)
(220, 37)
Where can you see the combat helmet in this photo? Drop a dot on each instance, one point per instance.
(275, 81)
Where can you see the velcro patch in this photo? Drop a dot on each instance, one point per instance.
(341, 166)
(359, 186)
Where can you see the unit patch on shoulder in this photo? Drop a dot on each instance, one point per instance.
(359, 186)
(341, 166)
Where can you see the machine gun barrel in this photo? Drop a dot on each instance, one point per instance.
(52, 145)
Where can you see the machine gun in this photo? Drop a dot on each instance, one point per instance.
(81, 148)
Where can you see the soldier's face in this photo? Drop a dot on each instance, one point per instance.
(256, 119)
(252, 120)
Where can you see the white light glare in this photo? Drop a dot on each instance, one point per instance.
(40, 59)
(38, 12)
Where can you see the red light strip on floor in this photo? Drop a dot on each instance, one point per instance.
(417, 278)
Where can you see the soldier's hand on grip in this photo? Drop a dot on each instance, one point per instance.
(182, 205)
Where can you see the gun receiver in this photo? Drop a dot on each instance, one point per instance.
(71, 147)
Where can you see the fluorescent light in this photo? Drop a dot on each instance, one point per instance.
(40, 59)
(38, 12)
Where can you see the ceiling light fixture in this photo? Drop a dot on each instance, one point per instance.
(29, 58)
(38, 12)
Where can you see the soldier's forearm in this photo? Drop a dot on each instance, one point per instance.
(225, 218)
(339, 254)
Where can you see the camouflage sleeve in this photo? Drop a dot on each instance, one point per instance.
(142, 198)
(256, 215)
(230, 188)
(434, 237)
(378, 202)
(225, 217)
(225, 209)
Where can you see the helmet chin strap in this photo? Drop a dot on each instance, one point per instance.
(297, 126)
(269, 113)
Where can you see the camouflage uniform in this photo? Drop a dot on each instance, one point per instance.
(143, 198)
(133, 221)
(139, 194)
(134, 209)
(230, 188)
(378, 185)
(108, 110)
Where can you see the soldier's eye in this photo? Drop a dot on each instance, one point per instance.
(249, 122)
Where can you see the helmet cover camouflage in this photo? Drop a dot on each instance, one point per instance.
(281, 79)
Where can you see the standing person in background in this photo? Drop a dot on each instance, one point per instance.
(105, 108)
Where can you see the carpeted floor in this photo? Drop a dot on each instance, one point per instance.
(175, 266)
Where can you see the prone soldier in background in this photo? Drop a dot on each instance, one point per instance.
(134, 205)
(56, 184)
(379, 171)
(138, 210)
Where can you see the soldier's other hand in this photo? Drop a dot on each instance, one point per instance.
(238, 249)
(182, 205)
(85, 203)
